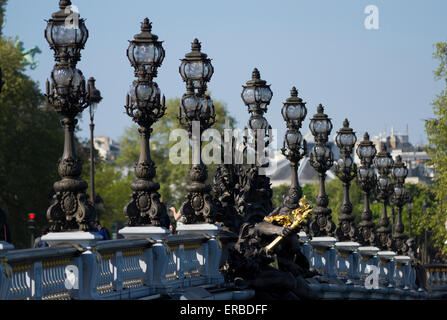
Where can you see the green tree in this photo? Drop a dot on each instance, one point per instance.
(436, 130)
(31, 142)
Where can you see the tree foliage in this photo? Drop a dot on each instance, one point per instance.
(436, 130)
(31, 142)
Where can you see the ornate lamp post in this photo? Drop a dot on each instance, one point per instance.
(384, 164)
(400, 197)
(94, 98)
(68, 95)
(144, 106)
(367, 181)
(321, 159)
(196, 111)
(295, 147)
(256, 96)
(346, 170)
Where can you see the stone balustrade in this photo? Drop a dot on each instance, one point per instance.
(353, 272)
(115, 269)
(436, 277)
(143, 268)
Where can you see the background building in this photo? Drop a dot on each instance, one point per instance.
(107, 148)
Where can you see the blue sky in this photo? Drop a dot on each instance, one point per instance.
(375, 78)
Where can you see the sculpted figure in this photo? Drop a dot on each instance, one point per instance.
(274, 271)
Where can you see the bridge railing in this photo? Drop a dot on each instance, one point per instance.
(115, 269)
(136, 268)
(436, 275)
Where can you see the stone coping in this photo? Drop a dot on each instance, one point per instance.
(368, 251)
(387, 255)
(79, 237)
(156, 233)
(210, 229)
(402, 259)
(325, 242)
(347, 246)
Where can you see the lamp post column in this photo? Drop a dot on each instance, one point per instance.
(367, 181)
(400, 197)
(144, 106)
(346, 170)
(384, 163)
(68, 94)
(321, 159)
(94, 97)
(197, 114)
(294, 147)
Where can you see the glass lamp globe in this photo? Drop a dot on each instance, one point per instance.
(345, 138)
(256, 93)
(66, 39)
(294, 110)
(293, 139)
(145, 52)
(320, 125)
(196, 67)
(366, 150)
(206, 108)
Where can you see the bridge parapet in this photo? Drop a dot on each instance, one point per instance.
(115, 269)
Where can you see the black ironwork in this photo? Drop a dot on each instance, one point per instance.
(197, 109)
(367, 180)
(196, 68)
(94, 98)
(67, 93)
(399, 198)
(253, 202)
(321, 159)
(346, 171)
(144, 106)
(295, 147)
(384, 164)
(66, 34)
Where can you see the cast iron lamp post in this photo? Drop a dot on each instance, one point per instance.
(424, 212)
(399, 197)
(143, 105)
(346, 170)
(321, 159)
(196, 114)
(256, 95)
(384, 164)
(295, 147)
(94, 98)
(367, 181)
(67, 93)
